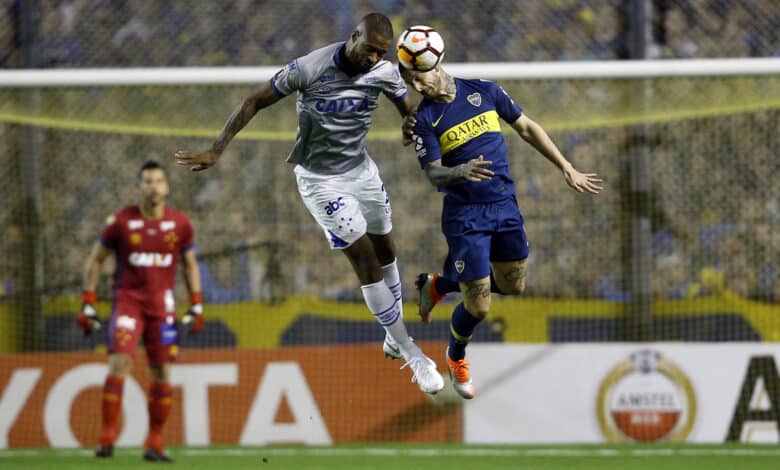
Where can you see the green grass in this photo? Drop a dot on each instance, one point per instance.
(423, 457)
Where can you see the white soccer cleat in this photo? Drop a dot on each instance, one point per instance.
(423, 369)
(390, 348)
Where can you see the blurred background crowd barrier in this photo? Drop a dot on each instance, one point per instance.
(707, 147)
(133, 33)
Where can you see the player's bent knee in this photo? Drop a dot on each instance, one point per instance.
(516, 288)
(478, 309)
(119, 364)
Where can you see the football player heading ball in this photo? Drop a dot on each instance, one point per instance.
(459, 145)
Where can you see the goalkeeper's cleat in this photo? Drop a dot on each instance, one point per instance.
(154, 455)
(104, 451)
(461, 378)
(427, 296)
(390, 348)
(424, 371)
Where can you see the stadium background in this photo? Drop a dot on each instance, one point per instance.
(693, 159)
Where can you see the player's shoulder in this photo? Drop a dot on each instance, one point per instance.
(317, 59)
(121, 217)
(180, 219)
(427, 107)
(127, 212)
(478, 84)
(175, 214)
(386, 69)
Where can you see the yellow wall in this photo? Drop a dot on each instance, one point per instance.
(260, 325)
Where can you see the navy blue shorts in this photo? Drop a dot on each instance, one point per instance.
(480, 233)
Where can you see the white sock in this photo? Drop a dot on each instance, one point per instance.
(384, 307)
(393, 281)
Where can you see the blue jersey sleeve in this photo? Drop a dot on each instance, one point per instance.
(426, 144)
(505, 105)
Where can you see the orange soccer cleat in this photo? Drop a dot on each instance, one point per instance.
(428, 296)
(461, 378)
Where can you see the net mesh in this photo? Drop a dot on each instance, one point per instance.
(271, 284)
(710, 141)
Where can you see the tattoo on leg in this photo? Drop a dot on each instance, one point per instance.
(478, 291)
(515, 277)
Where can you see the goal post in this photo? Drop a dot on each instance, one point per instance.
(572, 70)
(708, 201)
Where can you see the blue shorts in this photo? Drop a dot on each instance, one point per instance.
(480, 233)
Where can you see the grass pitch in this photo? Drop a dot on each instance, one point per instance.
(411, 457)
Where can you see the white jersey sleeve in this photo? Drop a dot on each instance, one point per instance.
(394, 87)
(288, 79)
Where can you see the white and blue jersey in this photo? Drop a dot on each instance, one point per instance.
(334, 108)
(481, 220)
(337, 180)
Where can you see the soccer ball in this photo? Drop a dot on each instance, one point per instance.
(419, 48)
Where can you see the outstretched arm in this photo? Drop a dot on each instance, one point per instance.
(533, 133)
(240, 117)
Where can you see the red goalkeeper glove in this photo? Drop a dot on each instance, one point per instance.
(194, 315)
(87, 317)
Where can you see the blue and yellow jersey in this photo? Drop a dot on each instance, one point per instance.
(464, 129)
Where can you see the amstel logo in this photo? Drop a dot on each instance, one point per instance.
(646, 398)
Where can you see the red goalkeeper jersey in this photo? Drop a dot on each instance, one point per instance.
(147, 253)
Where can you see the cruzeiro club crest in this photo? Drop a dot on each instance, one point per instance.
(646, 398)
(475, 99)
(460, 265)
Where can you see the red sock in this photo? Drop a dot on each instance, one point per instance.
(159, 409)
(112, 409)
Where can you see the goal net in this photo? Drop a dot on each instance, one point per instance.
(682, 244)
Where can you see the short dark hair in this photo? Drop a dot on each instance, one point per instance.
(378, 23)
(150, 165)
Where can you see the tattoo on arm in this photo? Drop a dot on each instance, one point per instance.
(242, 114)
(238, 119)
(440, 175)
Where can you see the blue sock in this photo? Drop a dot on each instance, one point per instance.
(463, 324)
(445, 286)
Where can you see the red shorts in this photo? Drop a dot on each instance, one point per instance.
(129, 323)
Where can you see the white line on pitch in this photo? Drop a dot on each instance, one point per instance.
(414, 452)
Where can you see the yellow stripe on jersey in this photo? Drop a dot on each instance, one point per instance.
(463, 132)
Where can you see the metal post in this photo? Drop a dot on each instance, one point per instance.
(30, 164)
(639, 170)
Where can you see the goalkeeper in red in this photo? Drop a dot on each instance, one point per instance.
(148, 240)
(459, 145)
